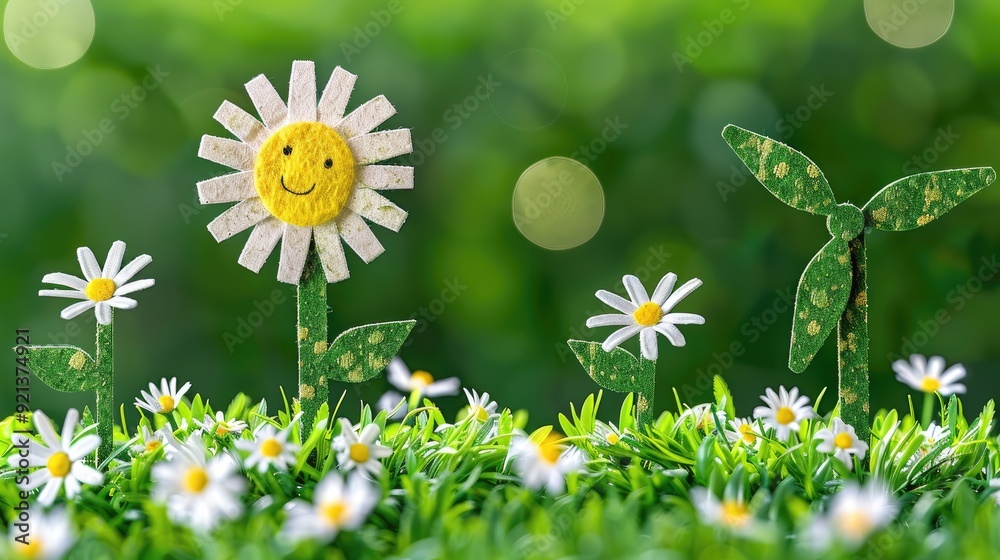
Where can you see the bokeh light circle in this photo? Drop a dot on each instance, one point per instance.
(48, 33)
(527, 89)
(558, 203)
(909, 23)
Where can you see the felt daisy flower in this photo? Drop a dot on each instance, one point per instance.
(420, 381)
(163, 400)
(393, 404)
(481, 408)
(337, 506)
(701, 415)
(730, 513)
(841, 440)
(784, 411)
(645, 315)
(933, 434)
(101, 289)
(270, 447)
(606, 434)
(50, 536)
(149, 441)
(855, 513)
(930, 376)
(220, 426)
(744, 431)
(61, 459)
(360, 451)
(305, 174)
(199, 491)
(546, 464)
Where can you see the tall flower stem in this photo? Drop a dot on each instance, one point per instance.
(644, 393)
(312, 339)
(105, 389)
(852, 347)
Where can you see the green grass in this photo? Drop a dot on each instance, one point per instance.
(448, 491)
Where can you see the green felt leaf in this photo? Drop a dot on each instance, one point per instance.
(617, 370)
(787, 173)
(361, 353)
(821, 297)
(64, 368)
(917, 200)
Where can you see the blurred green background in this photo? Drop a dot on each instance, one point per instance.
(811, 73)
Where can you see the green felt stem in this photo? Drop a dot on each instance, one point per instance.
(313, 341)
(646, 390)
(105, 389)
(852, 346)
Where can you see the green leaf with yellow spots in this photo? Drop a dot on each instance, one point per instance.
(361, 353)
(917, 200)
(821, 298)
(617, 370)
(64, 368)
(787, 173)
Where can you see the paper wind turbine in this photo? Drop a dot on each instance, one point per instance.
(305, 176)
(833, 288)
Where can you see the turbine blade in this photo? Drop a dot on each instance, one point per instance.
(917, 200)
(821, 298)
(787, 173)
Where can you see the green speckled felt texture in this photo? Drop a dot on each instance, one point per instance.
(621, 372)
(833, 288)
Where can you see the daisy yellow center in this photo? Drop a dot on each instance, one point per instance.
(100, 289)
(33, 548)
(855, 523)
(747, 432)
(335, 512)
(843, 441)
(930, 441)
(930, 385)
(271, 448)
(304, 174)
(421, 378)
(222, 430)
(479, 413)
(785, 415)
(734, 513)
(58, 464)
(195, 480)
(153, 445)
(359, 452)
(648, 314)
(612, 438)
(167, 403)
(550, 450)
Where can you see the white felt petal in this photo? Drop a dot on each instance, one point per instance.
(337, 92)
(378, 146)
(131, 269)
(647, 344)
(269, 105)
(232, 187)
(73, 294)
(684, 319)
(681, 293)
(331, 252)
(672, 333)
(664, 288)
(63, 279)
(619, 336)
(365, 118)
(616, 301)
(302, 92)
(294, 249)
(132, 287)
(114, 261)
(88, 263)
(73, 311)
(103, 311)
(228, 152)
(69, 425)
(610, 319)
(635, 289)
(377, 208)
(238, 218)
(386, 177)
(359, 236)
(261, 244)
(50, 492)
(122, 302)
(241, 124)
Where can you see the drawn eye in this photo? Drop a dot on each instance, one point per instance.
(328, 163)
(287, 151)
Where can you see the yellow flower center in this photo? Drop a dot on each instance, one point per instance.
(747, 433)
(612, 438)
(153, 445)
(100, 289)
(930, 385)
(167, 404)
(222, 430)
(421, 378)
(479, 413)
(58, 464)
(843, 441)
(31, 550)
(360, 453)
(785, 415)
(335, 512)
(270, 448)
(648, 314)
(734, 513)
(550, 450)
(855, 523)
(304, 174)
(930, 441)
(195, 480)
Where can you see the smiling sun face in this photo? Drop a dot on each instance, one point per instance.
(304, 174)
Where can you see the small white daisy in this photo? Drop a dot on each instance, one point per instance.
(930, 376)
(393, 404)
(149, 441)
(730, 513)
(784, 411)
(419, 381)
(220, 426)
(606, 434)
(361, 451)
(337, 506)
(163, 400)
(50, 535)
(100, 289)
(855, 513)
(744, 431)
(61, 459)
(481, 408)
(933, 434)
(198, 491)
(701, 415)
(270, 447)
(647, 316)
(545, 464)
(841, 440)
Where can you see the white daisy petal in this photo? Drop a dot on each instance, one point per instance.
(683, 319)
(131, 269)
(377, 209)
(67, 280)
(302, 92)
(617, 302)
(379, 146)
(663, 288)
(113, 263)
(331, 252)
(231, 187)
(248, 129)
(647, 340)
(358, 236)
(226, 151)
(672, 333)
(261, 243)
(73, 311)
(681, 293)
(45, 429)
(294, 250)
(619, 336)
(635, 289)
(336, 94)
(384, 177)
(610, 319)
(50, 492)
(136, 286)
(238, 218)
(73, 294)
(88, 263)
(269, 105)
(365, 118)
(103, 311)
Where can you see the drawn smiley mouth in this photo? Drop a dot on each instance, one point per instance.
(295, 192)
